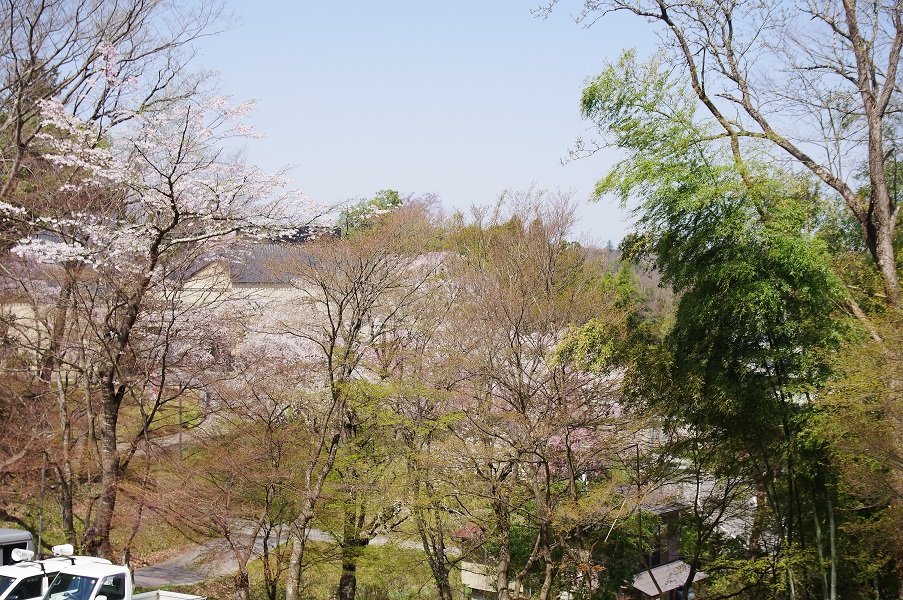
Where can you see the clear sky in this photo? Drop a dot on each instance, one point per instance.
(463, 99)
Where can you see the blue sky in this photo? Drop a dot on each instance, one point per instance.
(463, 99)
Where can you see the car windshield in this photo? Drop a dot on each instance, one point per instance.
(71, 587)
(5, 582)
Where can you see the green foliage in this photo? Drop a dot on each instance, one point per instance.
(758, 293)
(601, 344)
(618, 551)
(751, 252)
(757, 307)
(385, 572)
(638, 110)
(362, 214)
(591, 347)
(474, 241)
(860, 421)
(388, 572)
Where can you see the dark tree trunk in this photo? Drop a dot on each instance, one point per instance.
(352, 544)
(348, 581)
(351, 551)
(433, 541)
(503, 522)
(97, 538)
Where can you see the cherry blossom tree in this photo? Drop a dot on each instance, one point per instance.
(81, 52)
(175, 196)
(240, 482)
(97, 59)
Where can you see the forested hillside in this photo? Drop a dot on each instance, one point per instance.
(396, 400)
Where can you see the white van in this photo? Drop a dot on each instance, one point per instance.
(29, 579)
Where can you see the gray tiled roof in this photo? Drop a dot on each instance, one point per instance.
(261, 261)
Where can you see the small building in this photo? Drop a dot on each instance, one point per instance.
(480, 581)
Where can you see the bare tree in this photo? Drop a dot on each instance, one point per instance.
(349, 294)
(530, 424)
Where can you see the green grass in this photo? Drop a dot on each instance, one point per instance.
(384, 572)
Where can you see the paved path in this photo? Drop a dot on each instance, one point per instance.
(212, 559)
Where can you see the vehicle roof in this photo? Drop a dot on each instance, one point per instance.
(58, 563)
(94, 569)
(14, 535)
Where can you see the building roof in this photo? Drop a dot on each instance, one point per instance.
(256, 262)
(669, 576)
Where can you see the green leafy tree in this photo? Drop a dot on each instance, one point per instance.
(861, 419)
(362, 214)
(813, 83)
(744, 362)
(350, 295)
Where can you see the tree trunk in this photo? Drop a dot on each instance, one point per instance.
(433, 542)
(348, 580)
(298, 535)
(503, 522)
(898, 558)
(819, 544)
(880, 229)
(352, 544)
(271, 568)
(547, 581)
(97, 538)
(298, 530)
(64, 498)
(58, 328)
(791, 586)
(428, 517)
(833, 547)
(242, 585)
(63, 470)
(755, 535)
